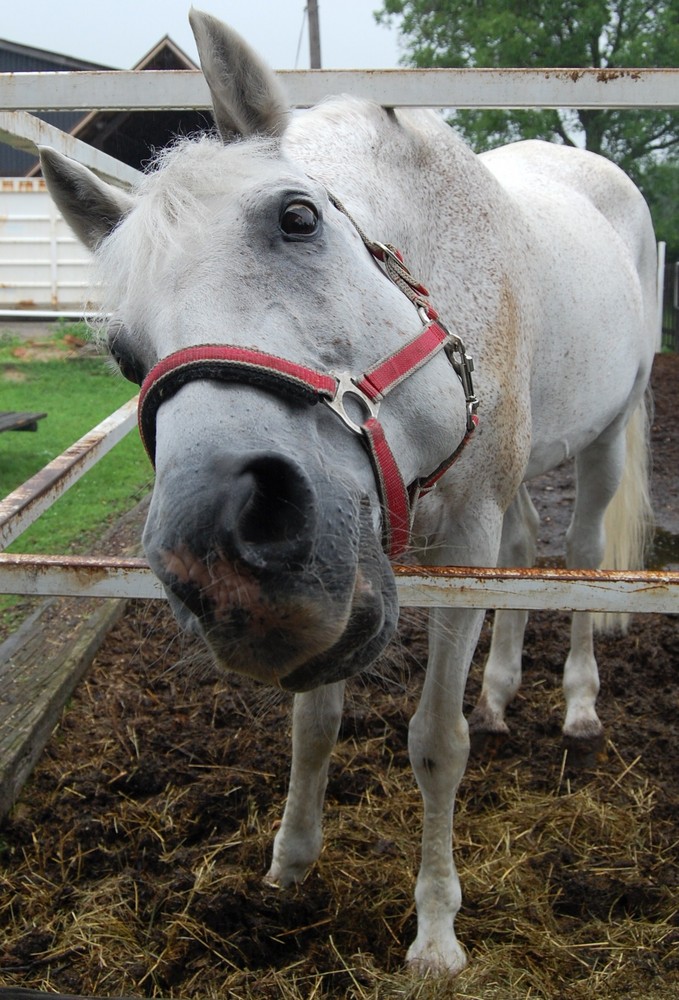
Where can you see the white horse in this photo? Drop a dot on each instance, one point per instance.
(248, 285)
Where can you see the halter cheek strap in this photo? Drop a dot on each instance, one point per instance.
(228, 363)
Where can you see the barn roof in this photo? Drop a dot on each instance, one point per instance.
(133, 136)
(18, 58)
(129, 136)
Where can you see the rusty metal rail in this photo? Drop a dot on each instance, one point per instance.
(27, 502)
(130, 90)
(471, 587)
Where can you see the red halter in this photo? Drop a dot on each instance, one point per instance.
(228, 363)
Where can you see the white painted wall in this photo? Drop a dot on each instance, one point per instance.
(42, 265)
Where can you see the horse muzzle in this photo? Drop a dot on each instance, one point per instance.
(283, 578)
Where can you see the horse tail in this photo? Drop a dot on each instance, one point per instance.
(629, 521)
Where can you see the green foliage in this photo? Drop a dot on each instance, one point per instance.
(660, 184)
(576, 33)
(601, 33)
(604, 34)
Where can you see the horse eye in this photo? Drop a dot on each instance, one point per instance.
(299, 219)
(129, 370)
(129, 366)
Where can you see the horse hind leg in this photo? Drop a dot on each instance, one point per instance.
(316, 719)
(502, 672)
(608, 529)
(598, 470)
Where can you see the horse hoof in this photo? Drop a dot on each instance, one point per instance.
(487, 731)
(436, 958)
(283, 877)
(584, 749)
(487, 743)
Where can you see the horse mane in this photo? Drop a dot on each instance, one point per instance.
(183, 173)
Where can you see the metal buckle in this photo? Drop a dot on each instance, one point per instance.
(390, 255)
(464, 366)
(347, 387)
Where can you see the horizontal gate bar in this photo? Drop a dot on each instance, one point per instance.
(124, 90)
(28, 501)
(77, 576)
(554, 589)
(26, 132)
(538, 588)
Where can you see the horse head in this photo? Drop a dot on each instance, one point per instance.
(267, 339)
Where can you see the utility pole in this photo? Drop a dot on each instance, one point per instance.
(314, 35)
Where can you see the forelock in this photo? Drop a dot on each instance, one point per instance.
(172, 202)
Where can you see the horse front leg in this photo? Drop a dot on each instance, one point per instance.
(316, 719)
(438, 744)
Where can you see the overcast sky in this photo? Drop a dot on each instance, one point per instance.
(119, 32)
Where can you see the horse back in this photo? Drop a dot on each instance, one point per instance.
(590, 261)
(567, 171)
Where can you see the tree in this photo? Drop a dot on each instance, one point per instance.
(660, 185)
(604, 34)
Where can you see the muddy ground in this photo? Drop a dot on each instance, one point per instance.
(133, 862)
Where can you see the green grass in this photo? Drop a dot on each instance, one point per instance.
(76, 392)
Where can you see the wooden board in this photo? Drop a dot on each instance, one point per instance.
(20, 421)
(44, 660)
(40, 666)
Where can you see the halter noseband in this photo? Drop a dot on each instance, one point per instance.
(228, 363)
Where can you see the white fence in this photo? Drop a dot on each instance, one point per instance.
(434, 88)
(566, 589)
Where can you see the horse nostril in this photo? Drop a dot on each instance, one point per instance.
(269, 514)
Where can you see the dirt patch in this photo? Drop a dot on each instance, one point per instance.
(12, 374)
(39, 352)
(134, 861)
(35, 346)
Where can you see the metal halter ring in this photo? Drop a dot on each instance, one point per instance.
(346, 386)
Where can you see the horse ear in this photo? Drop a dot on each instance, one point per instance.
(246, 96)
(91, 208)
